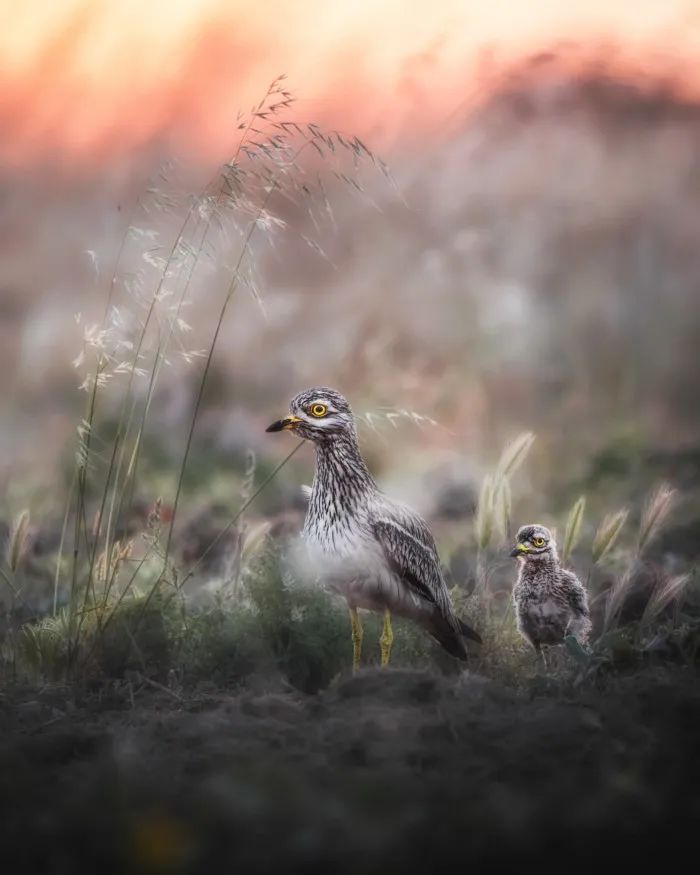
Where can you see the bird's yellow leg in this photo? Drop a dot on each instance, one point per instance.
(387, 638)
(356, 638)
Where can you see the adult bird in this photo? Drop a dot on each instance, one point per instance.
(550, 601)
(375, 552)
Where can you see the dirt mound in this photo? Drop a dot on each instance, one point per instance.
(384, 770)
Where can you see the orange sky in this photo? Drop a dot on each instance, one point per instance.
(85, 78)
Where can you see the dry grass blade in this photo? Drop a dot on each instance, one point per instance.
(515, 454)
(573, 527)
(655, 514)
(392, 416)
(485, 513)
(669, 591)
(608, 533)
(16, 545)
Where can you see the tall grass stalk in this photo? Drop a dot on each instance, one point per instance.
(272, 187)
(233, 285)
(265, 143)
(124, 423)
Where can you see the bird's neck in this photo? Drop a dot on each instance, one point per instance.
(533, 566)
(342, 478)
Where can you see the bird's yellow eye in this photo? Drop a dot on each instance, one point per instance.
(538, 542)
(318, 410)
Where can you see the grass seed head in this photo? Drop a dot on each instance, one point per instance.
(515, 454)
(655, 514)
(502, 507)
(573, 527)
(666, 592)
(17, 543)
(485, 513)
(608, 533)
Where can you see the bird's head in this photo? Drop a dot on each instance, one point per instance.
(534, 542)
(318, 415)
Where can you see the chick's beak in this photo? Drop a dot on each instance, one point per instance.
(519, 550)
(289, 422)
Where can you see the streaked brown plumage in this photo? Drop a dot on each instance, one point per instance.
(550, 601)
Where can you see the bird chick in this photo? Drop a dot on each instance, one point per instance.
(377, 553)
(550, 602)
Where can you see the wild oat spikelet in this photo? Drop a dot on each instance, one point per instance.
(573, 527)
(254, 540)
(616, 597)
(655, 514)
(153, 519)
(485, 513)
(607, 534)
(503, 506)
(120, 553)
(16, 545)
(663, 595)
(515, 454)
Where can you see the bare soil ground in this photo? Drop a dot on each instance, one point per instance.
(385, 771)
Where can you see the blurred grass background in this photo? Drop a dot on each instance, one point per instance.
(535, 269)
(538, 268)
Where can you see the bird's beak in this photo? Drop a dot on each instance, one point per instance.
(519, 549)
(289, 422)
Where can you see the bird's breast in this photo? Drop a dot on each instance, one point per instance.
(349, 560)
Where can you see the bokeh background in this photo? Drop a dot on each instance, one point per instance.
(497, 236)
(533, 264)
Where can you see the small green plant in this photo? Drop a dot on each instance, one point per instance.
(41, 648)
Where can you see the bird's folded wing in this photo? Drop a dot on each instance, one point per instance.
(576, 594)
(414, 561)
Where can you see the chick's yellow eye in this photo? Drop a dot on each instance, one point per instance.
(318, 410)
(538, 542)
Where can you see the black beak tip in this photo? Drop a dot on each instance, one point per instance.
(515, 553)
(276, 426)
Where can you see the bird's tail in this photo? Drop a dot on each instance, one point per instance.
(450, 634)
(467, 632)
